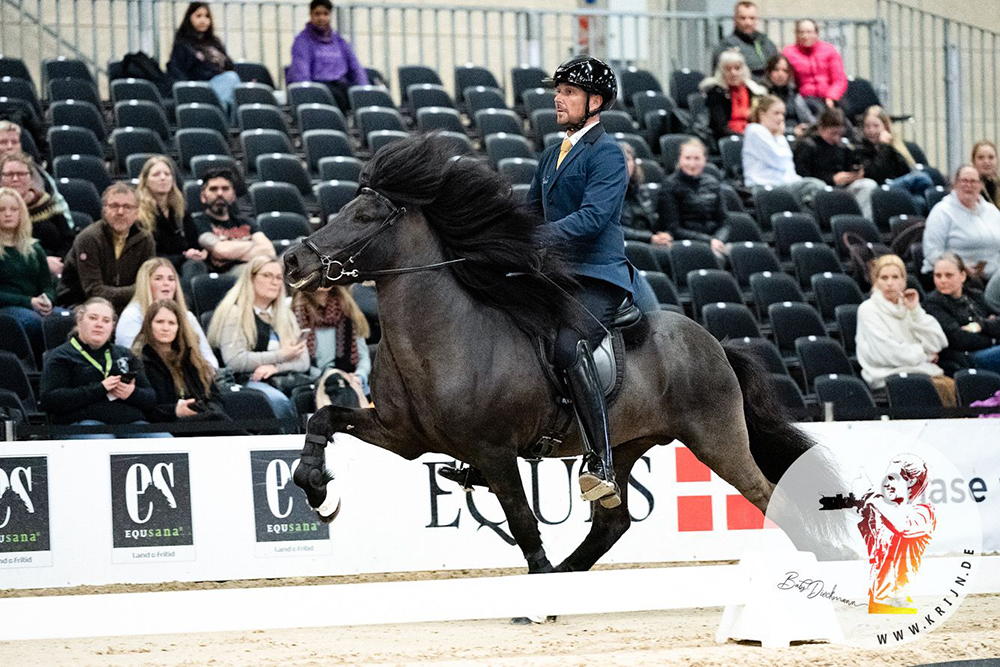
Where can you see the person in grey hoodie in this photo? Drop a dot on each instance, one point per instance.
(756, 47)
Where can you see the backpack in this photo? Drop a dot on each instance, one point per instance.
(139, 65)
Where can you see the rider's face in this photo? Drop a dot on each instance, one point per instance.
(571, 102)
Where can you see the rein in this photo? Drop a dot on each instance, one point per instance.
(337, 261)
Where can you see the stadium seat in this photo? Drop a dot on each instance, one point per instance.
(638, 144)
(729, 321)
(641, 256)
(687, 256)
(820, 355)
(635, 81)
(766, 353)
(65, 68)
(518, 169)
(254, 93)
(712, 286)
(650, 101)
(372, 119)
(811, 258)
(912, 396)
(670, 150)
(887, 202)
(21, 89)
(278, 226)
(651, 170)
(495, 121)
(422, 95)
(538, 98)
(14, 68)
(792, 228)
(129, 140)
(141, 113)
(617, 121)
(68, 139)
(769, 287)
(362, 97)
(209, 289)
(319, 144)
(192, 197)
(482, 97)
(261, 142)
(787, 392)
(851, 398)
(898, 223)
(261, 117)
(250, 405)
(13, 339)
(972, 384)
(439, 118)
(85, 167)
(200, 92)
(135, 162)
(81, 195)
(742, 228)
(268, 196)
(340, 168)
(683, 83)
(854, 224)
(935, 195)
(791, 321)
(381, 138)
(832, 290)
(501, 146)
(471, 76)
(846, 316)
(203, 117)
(663, 287)
(74, 89)
(333, 196)
(311, 116)
(748, 258)
(79, 114)
(135, 89)
(284, 168)
(57, 327)
(410, 75)
(768, 201)
(832, 201)
(202, 164)
(543, 123)
(732, 157)
(14, 378)
(253, 72)
(525, 77)
(310, 92)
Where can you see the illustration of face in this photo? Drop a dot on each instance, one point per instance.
(894, 487)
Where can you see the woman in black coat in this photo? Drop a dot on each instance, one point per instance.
(198, 55)
(691, 204)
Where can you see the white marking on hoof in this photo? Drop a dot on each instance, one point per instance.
(331, 505)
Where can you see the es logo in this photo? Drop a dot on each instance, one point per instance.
(280, 511)
(137, 482)
(24, 504)
(17, 482)
(277, 478)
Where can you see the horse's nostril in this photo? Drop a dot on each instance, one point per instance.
(290, 262)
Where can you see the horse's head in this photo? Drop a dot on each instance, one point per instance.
(350, 248)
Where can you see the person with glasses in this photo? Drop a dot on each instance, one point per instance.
(106, 256)
(10, 142)
(49, 225)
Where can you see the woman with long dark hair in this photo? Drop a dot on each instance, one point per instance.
(198, 55)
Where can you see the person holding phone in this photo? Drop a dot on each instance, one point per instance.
(826, 156)
(896, 335)
(89, 381)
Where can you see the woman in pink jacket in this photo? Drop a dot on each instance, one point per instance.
(819, 69)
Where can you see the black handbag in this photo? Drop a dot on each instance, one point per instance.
(289, 381)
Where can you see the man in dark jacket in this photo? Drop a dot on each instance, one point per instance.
(756, 47)
(106, 256)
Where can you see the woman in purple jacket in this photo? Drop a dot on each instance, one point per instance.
(320, 54)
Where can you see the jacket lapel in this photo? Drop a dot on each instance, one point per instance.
(581, 146)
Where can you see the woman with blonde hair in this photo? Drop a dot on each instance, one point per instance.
(257, 332)
(157, 279)
(162, 214)
(184, 381)
(984, 159)
(334, 329)
(885, 157)
(26, 284)
(895, 334)
(730, 95)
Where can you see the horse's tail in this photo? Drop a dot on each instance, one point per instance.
(775, 442)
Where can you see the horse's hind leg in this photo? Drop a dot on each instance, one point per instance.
(505, 482)
(608, 525)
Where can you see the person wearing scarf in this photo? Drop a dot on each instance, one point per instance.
(335, 330)
(320, 54)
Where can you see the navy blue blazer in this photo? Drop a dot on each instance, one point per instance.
(583, 200)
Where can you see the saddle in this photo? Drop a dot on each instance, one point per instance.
(609, 357)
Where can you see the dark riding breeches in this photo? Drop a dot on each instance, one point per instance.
(602, 300)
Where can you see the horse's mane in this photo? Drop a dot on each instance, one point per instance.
(476, 216)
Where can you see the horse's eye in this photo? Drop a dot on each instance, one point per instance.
(363, 218)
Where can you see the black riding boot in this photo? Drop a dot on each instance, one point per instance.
(597, 475)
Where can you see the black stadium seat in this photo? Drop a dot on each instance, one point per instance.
(687, 256)
(81, 195)
(851, 398)
(135, 89)
(202, 116)
(410, 75)
(13, 378)
(832, 290)
(270, 196)
(202, 164)
(333, 196)
(340, 168)
(130, 140)
(470, 76)
(285, 168)
(501, 146)
(811, 258)
(525, 77)
(495, 121)
(209, 289)
(372, 119)
(887, 202)
(712, 286)
(57, 327)
(370, 96)
(641, 256)
(79, 114)
(261, 117)
(768, 201)
(319, 144)
(86, 167)
(832, 201)
(482, 97)
(536, 99)
(142, 113)
(518, 169)
(912, 396)
(320, 117)
(635, 81)
(791, 228)
(67, 140)
(252, 72)
(279, 226)
(729, 321)
(439, 118)
(261, 142)
(423, 95)
(381, 138)
(974, 384)
(189, 92)
(254, 93)
(74, 89)
(772, 287)
(853, 224)
(748, 258)
(791, 321)
(663, 287)
(309, 92)
(820, 355)
(196, 141)
(766, 353)
(847, 325)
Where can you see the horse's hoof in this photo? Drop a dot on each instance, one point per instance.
(329, 519)
(532, 620)
(330, 507)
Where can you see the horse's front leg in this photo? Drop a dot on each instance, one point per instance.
(505, 483)
(311, 474)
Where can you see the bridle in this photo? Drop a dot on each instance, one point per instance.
(353, 250)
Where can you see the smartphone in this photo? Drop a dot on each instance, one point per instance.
(305, 332)
(127, 377)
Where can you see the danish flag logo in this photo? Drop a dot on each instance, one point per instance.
(695, 512)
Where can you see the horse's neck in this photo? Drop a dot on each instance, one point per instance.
(423, 309)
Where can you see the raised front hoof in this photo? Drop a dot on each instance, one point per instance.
(331, 517)
(532, 620)
(328, 510)
(594, 488)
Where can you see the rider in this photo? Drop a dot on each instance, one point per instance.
(580, 186)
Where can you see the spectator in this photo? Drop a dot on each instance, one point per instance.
(984, 158)
(257, 333)
(729, 95)
(895, 334)
(886, 159)
(26, 284)
(335, 330)
(767, 156)
(818, 67)
(973, 332)
(755, 47)
(89, 381)
(162, 214)
(228, 240)
(182, 379)
(49, 226)
(198, 55)
(320, 54)
(639, 219)
(691, 203)
(107, 255)
(157, 281)
(826, 156)
(964, 223)
(778, 79)
(10, 142)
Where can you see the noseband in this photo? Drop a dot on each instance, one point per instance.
(346, 256)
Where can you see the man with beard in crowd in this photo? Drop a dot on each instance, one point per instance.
(229, 240)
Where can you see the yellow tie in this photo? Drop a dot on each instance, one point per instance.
(565, 148)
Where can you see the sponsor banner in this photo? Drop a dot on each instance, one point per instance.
(151, 507)
(283, 522)
(225, 508)
(24, 512)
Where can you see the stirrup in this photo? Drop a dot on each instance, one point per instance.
(466, 477)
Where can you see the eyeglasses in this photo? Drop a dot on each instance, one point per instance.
(16, 174)
(271, 276)
(121, 207)
(967, 181)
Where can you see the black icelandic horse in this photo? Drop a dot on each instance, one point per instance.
(458, 372)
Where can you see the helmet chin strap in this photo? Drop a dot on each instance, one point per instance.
(587, 114)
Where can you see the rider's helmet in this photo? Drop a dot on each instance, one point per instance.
(591, 74)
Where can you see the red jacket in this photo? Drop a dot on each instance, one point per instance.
(819, 70)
